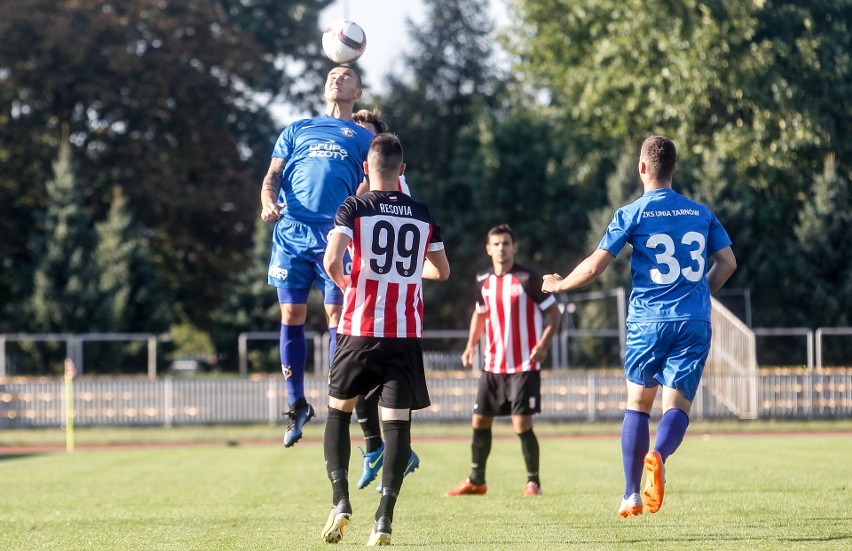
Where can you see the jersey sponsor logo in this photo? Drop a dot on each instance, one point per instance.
(327, 150)
(277, 272)
(398, 210)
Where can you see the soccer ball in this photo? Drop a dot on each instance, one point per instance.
(344, 41)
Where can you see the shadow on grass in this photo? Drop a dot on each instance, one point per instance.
(12, 456)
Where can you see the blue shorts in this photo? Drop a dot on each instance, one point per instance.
(296, 262)
(670, 353)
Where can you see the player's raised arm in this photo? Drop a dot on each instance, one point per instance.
(586, 272)
(270, 210)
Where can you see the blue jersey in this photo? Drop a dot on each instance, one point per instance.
(324, 166)
(672, 237)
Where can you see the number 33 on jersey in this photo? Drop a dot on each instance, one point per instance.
(390, 233)
(672, 237)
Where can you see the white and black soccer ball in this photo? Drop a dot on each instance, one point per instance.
(344, 41)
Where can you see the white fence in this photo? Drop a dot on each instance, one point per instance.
(584, 396)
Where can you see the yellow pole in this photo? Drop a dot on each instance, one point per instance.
(70, 371)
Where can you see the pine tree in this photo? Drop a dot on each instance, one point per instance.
(65, 294)
(130, 297)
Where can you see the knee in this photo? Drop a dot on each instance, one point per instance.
(482, 422)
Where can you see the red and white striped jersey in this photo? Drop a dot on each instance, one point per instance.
(513, 304)
(391, 233)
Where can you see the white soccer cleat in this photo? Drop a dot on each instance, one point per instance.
(631, 506)
(338, 519)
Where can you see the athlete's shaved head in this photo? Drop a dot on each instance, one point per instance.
(660, 157)
(385, 156)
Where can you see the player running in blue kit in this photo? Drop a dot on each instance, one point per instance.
(316, 164)
(668, 322)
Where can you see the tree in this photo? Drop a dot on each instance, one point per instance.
(434, 107)
(130, 298)
(166, 100)
(755, 92)
(250, 303)
(623, 186)
(64, 295)
(824, 251)
(64, 289)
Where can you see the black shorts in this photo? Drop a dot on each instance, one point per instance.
(509, 394)
(394, 365)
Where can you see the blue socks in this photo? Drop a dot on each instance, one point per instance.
(294, 356)
(671, 431)
(635, 441)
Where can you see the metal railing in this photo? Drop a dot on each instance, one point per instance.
(827, 331)
(731, 369)
(74, 346)
(791, 332)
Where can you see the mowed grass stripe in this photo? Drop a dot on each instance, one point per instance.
(723, 492)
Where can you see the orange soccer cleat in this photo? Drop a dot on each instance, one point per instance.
(468, 488)
(532, 489)
(655, 481)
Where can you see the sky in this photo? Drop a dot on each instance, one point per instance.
(384, 23)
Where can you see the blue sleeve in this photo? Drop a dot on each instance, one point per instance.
(284, 144)
(617, 233)
(717, 237)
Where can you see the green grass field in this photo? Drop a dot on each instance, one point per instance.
(725, 491)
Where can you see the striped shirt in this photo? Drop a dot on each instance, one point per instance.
(391, 233)
(513, 304)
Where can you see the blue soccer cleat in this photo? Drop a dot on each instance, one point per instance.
(373, 462)
(299, 414)
(413, 465)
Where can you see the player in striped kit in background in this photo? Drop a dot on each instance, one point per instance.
(509, 308)
(395, 244)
